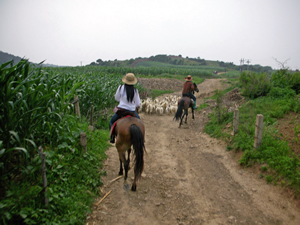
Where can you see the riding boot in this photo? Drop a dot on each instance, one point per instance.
(194, 106)
(112, 138)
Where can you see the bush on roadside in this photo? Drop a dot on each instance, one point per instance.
(254, 85)
(277, 92)
(285, 79)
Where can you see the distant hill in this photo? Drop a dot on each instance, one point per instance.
(6, 57)
(179, 61)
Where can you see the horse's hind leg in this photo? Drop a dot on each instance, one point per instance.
(186, 115)
(128, 158)
(121, 168)
(193, 113)
(125, 162)
(126, 165)
(133, 186)
(181, 119)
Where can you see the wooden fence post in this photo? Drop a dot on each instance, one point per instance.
(235, 122)
(77, 109)
(83, 141)
(43, 170)
(258, 130)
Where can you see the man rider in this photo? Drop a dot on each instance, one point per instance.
(188, 88)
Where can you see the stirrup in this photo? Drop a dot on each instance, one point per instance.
(112, 138)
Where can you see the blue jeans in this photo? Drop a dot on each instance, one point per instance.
(190, 95)
(115, 117)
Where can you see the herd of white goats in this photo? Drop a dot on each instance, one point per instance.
(167, 105)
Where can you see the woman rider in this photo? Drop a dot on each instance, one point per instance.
(128, 97)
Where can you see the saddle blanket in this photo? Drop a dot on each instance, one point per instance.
(115, 123)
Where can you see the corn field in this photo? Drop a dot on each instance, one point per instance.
(36, 110)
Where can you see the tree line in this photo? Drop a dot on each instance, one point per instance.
(179, 60)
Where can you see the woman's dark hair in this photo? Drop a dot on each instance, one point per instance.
(130, 90)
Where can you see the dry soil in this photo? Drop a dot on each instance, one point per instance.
(189, 178)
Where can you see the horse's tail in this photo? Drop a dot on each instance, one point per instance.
(137, 139)
(179, 110)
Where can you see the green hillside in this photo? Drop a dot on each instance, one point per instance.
(171, 61)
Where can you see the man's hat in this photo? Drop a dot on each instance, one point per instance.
(188, 78)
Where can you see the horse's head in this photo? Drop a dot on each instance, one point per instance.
(196, 88)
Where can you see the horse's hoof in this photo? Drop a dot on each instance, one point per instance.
(120, 173)
(133, 188)
(126, 187)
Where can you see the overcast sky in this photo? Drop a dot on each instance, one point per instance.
(71, 32)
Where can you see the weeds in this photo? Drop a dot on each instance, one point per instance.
(273, 102)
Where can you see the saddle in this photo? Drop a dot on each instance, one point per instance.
(186, 95)
(123, 112)
(112, 130)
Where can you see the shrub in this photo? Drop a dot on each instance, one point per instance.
(285, 79)
(254, 85)
(280, 78)
(277, 92)
(295, 82)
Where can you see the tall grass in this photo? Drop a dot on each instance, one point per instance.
(278, 160)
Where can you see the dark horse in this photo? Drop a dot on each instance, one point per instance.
(130, 131)
(184, 104)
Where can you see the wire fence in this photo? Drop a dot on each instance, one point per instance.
(258, 127)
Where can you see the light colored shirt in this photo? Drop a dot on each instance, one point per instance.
(121, 97)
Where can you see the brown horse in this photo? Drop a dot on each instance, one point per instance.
(130, 131)
(183, 105)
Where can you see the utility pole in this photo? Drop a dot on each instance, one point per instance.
(248, 61)
(241, 64)
(80, 63)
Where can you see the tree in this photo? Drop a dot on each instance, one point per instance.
(222, 64)
(281, 64)
(99, 61)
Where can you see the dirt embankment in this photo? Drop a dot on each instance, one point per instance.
(161, 84)
(190, 178)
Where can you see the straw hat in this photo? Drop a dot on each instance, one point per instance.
(188, 78)
(130, 79)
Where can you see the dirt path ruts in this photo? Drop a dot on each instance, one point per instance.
(190, 178)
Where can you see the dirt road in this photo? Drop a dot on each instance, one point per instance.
(190, 178)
